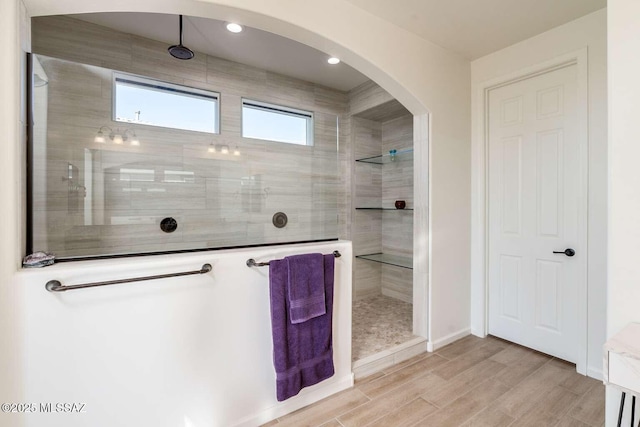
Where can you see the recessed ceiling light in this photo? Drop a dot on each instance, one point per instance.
(333, 60)
(234, 28)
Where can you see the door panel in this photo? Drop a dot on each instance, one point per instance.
(510, 281)
(548, 287)
(534, 209)
(549, 174)
(511, 185)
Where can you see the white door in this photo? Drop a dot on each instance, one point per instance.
(537, 187)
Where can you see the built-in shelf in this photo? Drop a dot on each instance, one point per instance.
(401, 155)
(398, 261)
(383, 209)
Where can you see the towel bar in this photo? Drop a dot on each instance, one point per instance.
(252, 262)
(56, 286)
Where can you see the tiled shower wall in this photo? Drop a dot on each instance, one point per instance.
(225, 200)
(367, 235)
(397, 227)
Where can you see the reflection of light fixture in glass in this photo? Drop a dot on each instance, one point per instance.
(134, 140)
(222, 149)
(99, 137)
(116, 136)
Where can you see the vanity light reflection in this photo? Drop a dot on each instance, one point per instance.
(222, 149)
(118, 137)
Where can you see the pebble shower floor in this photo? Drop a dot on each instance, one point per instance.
(380, 322)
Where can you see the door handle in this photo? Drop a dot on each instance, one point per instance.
(567, 252)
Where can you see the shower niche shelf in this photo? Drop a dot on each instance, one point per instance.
(401, 155)
(398, 261)
(382, 165)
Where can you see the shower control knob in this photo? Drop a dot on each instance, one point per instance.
(168, 225)
(280, 220)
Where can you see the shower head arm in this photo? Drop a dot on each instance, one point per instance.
(180, 51)
(180, 30)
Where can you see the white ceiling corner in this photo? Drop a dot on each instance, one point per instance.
(475, 28)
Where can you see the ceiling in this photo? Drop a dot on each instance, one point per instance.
(252, 46)
(474, 28)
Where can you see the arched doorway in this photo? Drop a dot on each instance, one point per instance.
(327, 30)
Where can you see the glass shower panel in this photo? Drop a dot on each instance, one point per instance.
(102, 187)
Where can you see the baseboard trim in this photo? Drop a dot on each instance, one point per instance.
(478, 333)
(439, 343)
(595, 373)
(306, 397)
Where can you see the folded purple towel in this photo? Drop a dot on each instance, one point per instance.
(305, 287)
(302, 352)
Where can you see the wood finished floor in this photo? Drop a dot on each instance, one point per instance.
(472, 382)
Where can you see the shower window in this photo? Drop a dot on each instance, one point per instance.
(272, 122)
(151, 102)
(94, 192)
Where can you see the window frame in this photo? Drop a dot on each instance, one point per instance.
(151, 83)
(281, 109)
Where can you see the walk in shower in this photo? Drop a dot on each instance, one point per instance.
(126, 163)
(244, 156)
(134, 152)
(383, 232)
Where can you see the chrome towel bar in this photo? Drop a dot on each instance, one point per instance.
(56, 286)
(252, 262)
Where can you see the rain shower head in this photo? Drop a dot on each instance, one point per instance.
(179, 51)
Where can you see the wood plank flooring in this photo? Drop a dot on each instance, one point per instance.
(472, 382)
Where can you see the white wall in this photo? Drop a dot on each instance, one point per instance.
(11, 128)
(587, 32)
(624, 151)
(159, 353)
(422, 76)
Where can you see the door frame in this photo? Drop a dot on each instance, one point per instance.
(480, 194)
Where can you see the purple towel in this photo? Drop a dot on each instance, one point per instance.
(302, 352)
(306, 287)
